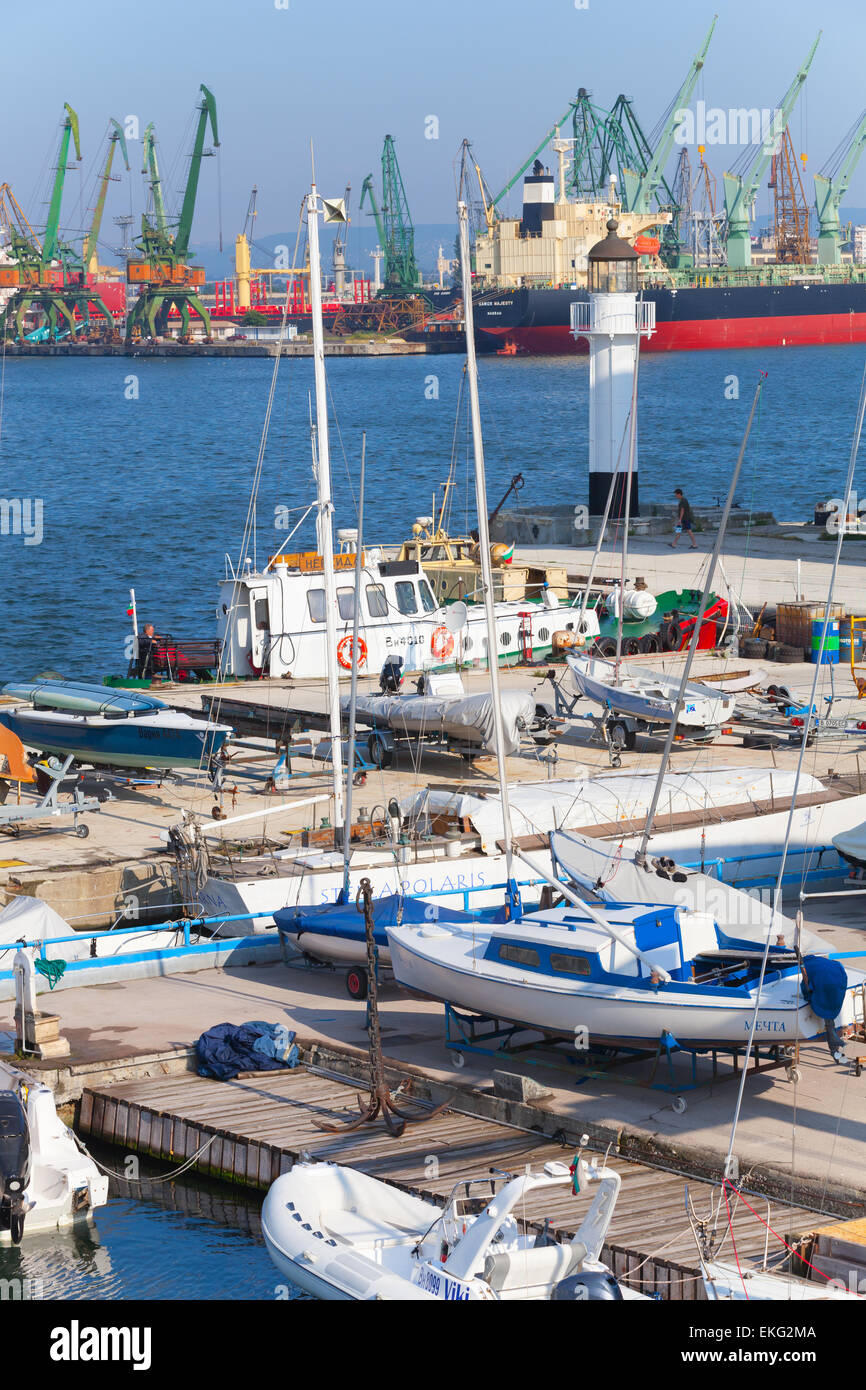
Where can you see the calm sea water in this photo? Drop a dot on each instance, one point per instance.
(143, 468)
(186, 1239)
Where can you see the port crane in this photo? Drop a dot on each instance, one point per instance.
(640, 186)
(161, 269)
(831, 187)
(50, 275)
(741, 188)
(339, 249)
(90, 255)
(393, 224)
(790, 209)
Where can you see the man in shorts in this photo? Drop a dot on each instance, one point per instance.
(683, 521)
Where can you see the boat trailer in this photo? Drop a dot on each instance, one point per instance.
(50, 807)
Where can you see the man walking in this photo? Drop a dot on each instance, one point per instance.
(683, 521)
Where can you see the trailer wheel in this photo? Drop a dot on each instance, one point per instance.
(356, 984)
(359, 779)
(621, 736)
(680, 1105)
(458, 1060)
(82, 831)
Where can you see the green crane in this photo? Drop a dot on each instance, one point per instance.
(161, 267)
(89, 255)
(393, 225)
(640, 186)
(741, 189)
(830, 189)
(61, 294)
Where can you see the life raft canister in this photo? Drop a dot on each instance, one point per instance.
(344, 652)
(441, 643)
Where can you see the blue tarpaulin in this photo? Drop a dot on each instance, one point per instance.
(345, 921)
(827, 983)
(230, 1048)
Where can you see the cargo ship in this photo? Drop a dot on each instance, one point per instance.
(532, 269)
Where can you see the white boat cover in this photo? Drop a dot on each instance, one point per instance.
(465, 717)
(852, 843)
(604, 868)
(34, 920)
(539, 807)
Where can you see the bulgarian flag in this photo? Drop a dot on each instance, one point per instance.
(508, 555)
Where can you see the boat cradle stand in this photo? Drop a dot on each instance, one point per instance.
(492, 1037)
(50, 806)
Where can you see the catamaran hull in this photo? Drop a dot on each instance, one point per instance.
(608, 1015)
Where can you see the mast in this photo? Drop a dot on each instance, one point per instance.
(353, 697)
(513, 896)
(640, 856)
(325, 526)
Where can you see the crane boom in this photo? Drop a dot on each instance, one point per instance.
(551, 134)
(638, 188)
(52, 224)
(151, 168)
(89, 254)
(830, 189)
(740, 190)
(207, 112)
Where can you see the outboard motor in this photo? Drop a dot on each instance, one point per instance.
(14, 1164)
(391, 675)
(590, 1286)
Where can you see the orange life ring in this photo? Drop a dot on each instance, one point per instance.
(441, 643)
(344, 653)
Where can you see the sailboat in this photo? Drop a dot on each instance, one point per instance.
(630, 974)
(651, 696)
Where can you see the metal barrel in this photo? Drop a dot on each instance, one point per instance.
(830, 655)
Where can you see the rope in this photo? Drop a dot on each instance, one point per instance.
(167, 1177)
(53, 970)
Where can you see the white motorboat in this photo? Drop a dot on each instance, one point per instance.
(627, 975)
(46, 1180)
(272, 622)
(341, 1235)
(650, 695)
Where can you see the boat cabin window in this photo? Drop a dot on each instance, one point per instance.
(428, 602)
(407, 599)
(570, 965)
(262, 620)
(346, 604)
(316, 604)
(518, 955)
(376, 601)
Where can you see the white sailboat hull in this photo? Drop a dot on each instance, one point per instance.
(607, 1014)
(649, 695)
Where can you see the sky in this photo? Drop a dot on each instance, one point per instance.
(343, 73)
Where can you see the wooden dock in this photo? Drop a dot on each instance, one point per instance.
(250, 1130)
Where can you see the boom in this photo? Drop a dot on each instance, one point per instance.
(640, 187)
(740, 190)
(151, 168)
(52, 225)
(830, 189)
(89, 254)
(207, 112)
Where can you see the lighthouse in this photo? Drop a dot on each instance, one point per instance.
(614, 322)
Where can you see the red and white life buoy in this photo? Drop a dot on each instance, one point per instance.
(441, 643)
(344, 653)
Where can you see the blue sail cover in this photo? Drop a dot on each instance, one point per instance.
(826, 984)
(345, 921)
